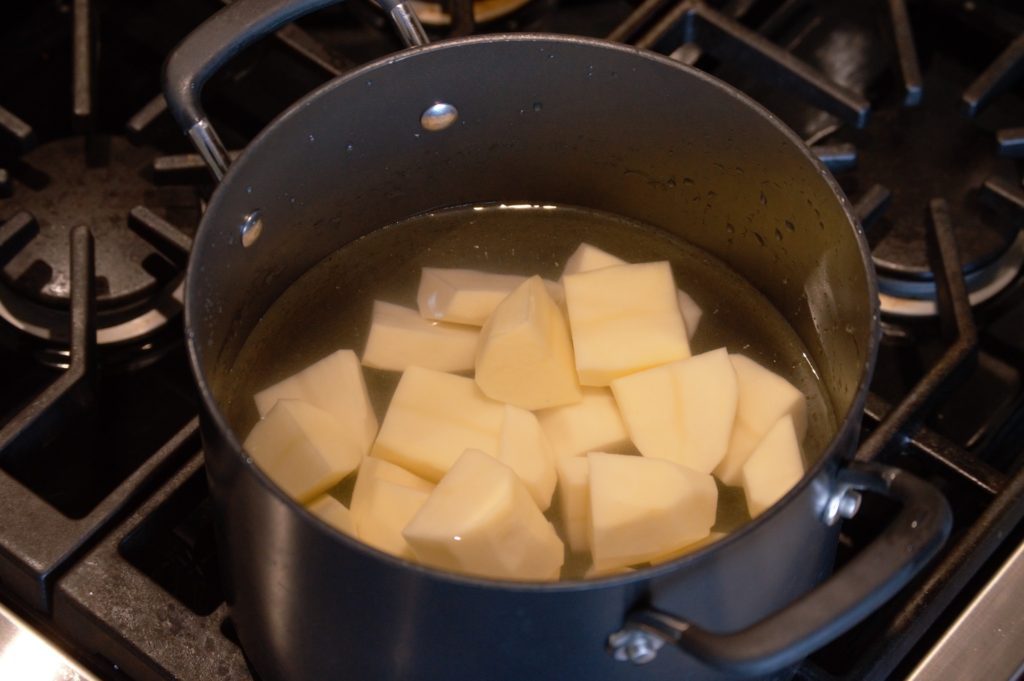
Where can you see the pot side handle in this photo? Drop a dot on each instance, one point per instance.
(225, 34)
(783, 638)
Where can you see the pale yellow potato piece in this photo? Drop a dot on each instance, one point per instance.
(434, 417)
(574, 500)
(400, 338)
(764, 398)
(591, 425)
(334, 384)
(773, 468)
(334, 513)
(624, 319)
(683, 411)
(525, 355)
(303, 449)
(467, 296)
(373, 468)
(386, 509)
(524, 448)
(588, 257)
(641, 508)
(481, 520)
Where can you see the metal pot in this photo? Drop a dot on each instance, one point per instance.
(440, 125)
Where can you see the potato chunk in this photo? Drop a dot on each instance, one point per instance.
(334, 384)
(334, 513)
(303, 449)
(372, 469)
(525, 355)
(466, 296)
(525, 450)
(591, 425)
(773, 467)
(588, 257)
(386, 509)
(682, 412)
(481, 520)
(434, 417)
(574, 500)
(764, 398)
(624, 319)
(400, 338)
(641, 508)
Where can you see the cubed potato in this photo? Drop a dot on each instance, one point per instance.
(683, 411)
(334, 513)
(764, 398)
(574, 500)
(400, 338)
(434, 417)
(373, 468)
(588, 257)
(525, 355)
(591, 425)
(303, 449)
(386, 509)
(624, 319)
(641, 508)
(467, 296)
(334, 384)
(525, 450)
(481, 520)
(773, 468)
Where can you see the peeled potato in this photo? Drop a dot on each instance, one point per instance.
(303, 449)
(642, 508)
(574, 500)
(764, 398)
(372, 469)
(588, 257)
(433, 418)
(466, 296)
(400, 338)
(591, 425)
(386, 509)
(334, 513)
(525, 354)
(624, 319)
(334, 384)
(481, 520)
(773, 468)
(683, 411)
(524, 449)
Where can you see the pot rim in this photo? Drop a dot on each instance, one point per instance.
(851, 420)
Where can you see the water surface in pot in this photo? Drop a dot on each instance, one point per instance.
(330, 306)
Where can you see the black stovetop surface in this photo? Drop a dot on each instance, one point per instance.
(106, 542)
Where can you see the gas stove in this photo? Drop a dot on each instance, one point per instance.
(108, 565)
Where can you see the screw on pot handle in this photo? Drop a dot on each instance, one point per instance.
(783, 638)
(221, 37)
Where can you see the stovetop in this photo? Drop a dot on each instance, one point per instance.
(106, 542)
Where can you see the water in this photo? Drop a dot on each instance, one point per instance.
(330, 306)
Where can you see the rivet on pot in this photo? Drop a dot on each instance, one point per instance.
(844, 503)
(251, 228)
(438, 116)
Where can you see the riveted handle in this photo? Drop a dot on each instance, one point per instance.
(785, 637)
(225, 34)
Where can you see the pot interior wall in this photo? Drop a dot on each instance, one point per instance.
(542, 120)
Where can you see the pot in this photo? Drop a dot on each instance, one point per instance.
(441, 125)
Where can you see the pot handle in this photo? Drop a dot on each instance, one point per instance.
(225, 34)
(783, 638)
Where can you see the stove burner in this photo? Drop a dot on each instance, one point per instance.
(138, 286)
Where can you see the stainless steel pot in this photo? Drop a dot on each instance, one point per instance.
(440, 125)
